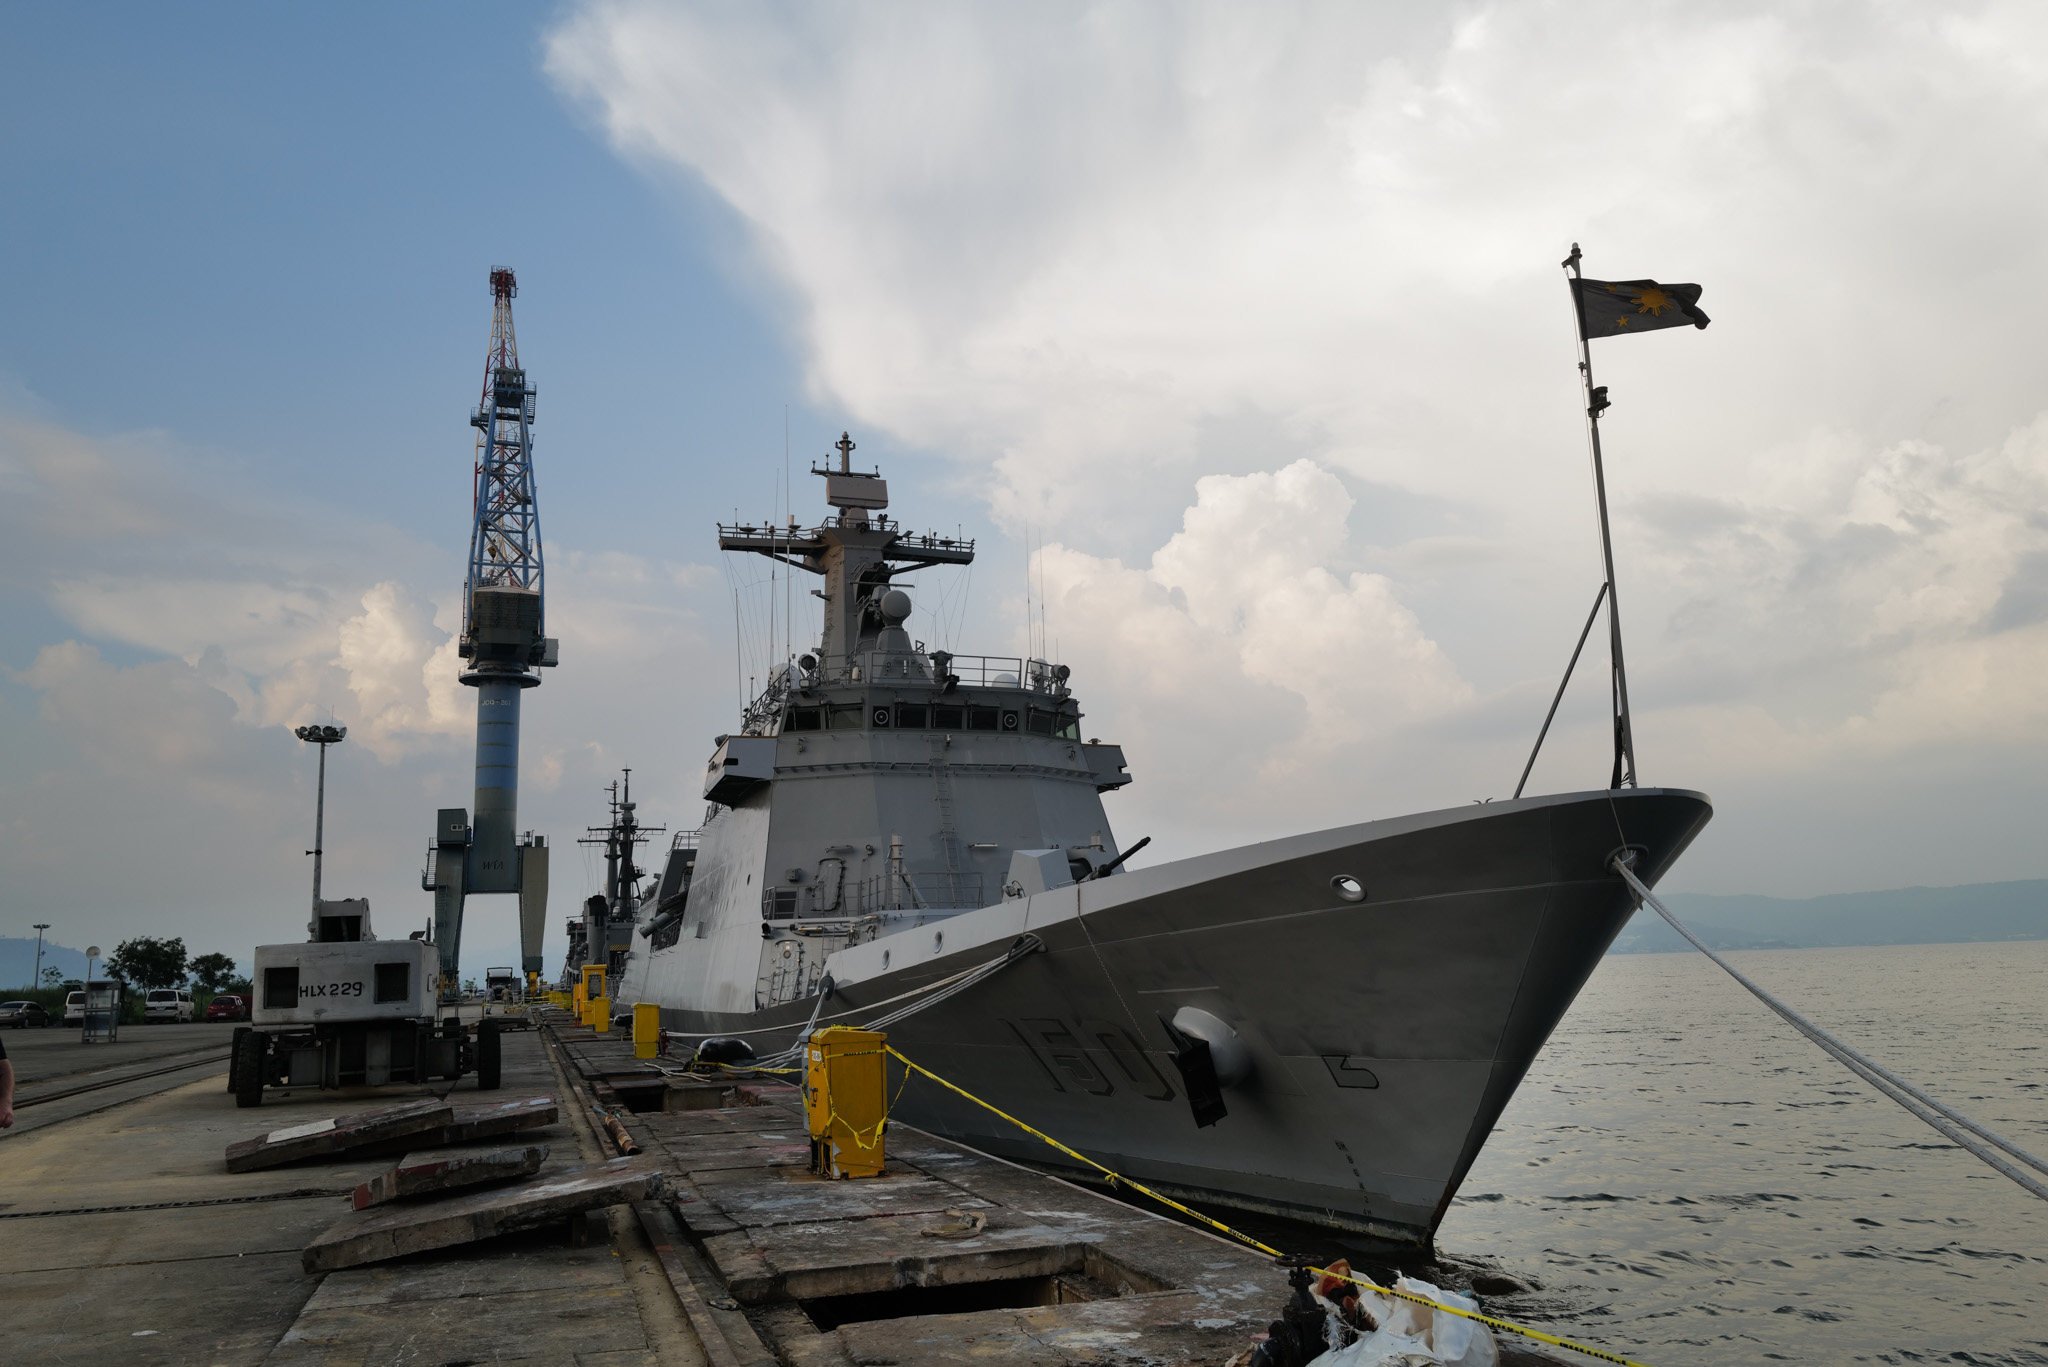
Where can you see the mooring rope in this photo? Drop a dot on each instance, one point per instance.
(1117, 1179)
(1945, 1120)
(919, 999)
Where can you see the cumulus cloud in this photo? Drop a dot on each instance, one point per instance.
(1085, 248)
(1243, 589)
(1055, 239)
(196, 639)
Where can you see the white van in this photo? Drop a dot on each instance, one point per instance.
(167, 1004)
(74, 1008)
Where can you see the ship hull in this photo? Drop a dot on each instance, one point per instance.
(1386, 1035)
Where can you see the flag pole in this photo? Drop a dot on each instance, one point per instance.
(1596, 400)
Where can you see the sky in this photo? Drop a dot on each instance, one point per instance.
(1236, 335)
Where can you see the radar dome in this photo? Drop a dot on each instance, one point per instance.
(895, 606)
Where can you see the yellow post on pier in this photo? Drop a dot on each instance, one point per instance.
(593, 1006)
(646, 1029)
(846, 1101)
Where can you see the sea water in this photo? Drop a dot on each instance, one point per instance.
(1688, 1181)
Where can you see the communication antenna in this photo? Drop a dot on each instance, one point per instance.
(1029, 620)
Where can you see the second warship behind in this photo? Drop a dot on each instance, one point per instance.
(1323, 1027)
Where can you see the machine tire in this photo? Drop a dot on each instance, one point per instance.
(489, 1057)
(235, 1055)
(250, 1052)
(450, 1029)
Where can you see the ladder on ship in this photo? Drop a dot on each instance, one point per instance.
(942, 797)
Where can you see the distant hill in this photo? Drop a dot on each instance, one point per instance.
(18, 961)
(1900, 916)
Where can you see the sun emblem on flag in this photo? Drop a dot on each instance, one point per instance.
(1652, 301)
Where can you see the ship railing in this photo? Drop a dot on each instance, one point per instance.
(767, 535)
(684, 840)
(771, 537)
(935, 667)
(870, 896)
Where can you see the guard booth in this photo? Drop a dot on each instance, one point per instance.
(102, 1012)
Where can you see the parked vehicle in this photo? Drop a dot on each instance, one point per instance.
(21, 1015)
(74, 1009)
(227, 1007)
(167, 1004)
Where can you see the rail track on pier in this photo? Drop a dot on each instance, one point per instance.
(81, 1088)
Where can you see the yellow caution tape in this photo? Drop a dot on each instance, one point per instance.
(1117, 1179)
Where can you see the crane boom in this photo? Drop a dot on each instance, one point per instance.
(504, 640)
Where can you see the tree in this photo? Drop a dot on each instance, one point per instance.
(149, 962)
(53, 976)
(212, 971)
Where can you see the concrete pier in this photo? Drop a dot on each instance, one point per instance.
(131, 1241)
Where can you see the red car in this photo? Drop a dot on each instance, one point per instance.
(227, 1007)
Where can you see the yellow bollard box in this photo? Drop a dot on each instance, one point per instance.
(590, 982)
(601, 1015)
(846, 1101)
(646, 1029)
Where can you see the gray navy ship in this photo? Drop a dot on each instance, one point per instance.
(1322, 1028)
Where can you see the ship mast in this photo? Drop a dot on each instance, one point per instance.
(856, 551)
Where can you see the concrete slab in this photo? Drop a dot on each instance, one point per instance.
(334, 1134)
(485, 1119)
(143, 1250)
(1149, 1329)
(1132, 1287)
(765, 1197)
(431, 1174)
(853, 1258)
(395, 1231)
(709, 1157)
(475, 1309)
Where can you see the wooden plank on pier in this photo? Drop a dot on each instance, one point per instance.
(429, 1174)
(373, 1235)
(337, 1134)
(487, 1119)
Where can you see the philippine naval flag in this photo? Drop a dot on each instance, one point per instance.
(1615, 308)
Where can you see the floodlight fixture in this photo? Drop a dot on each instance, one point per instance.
(322, 736)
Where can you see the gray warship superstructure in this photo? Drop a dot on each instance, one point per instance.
(1323, 1027)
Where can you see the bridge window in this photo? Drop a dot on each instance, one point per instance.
(848, 717)
(1039, 723)
(983, 719)
(949, 718)
(915, 715)
(803, 719)
(1069, 728)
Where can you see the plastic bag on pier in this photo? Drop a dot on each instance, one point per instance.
(1412, 1335)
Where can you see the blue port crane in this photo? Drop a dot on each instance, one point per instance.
(505, 643)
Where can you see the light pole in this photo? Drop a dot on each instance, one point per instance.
(41, 926)
(322, 736)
